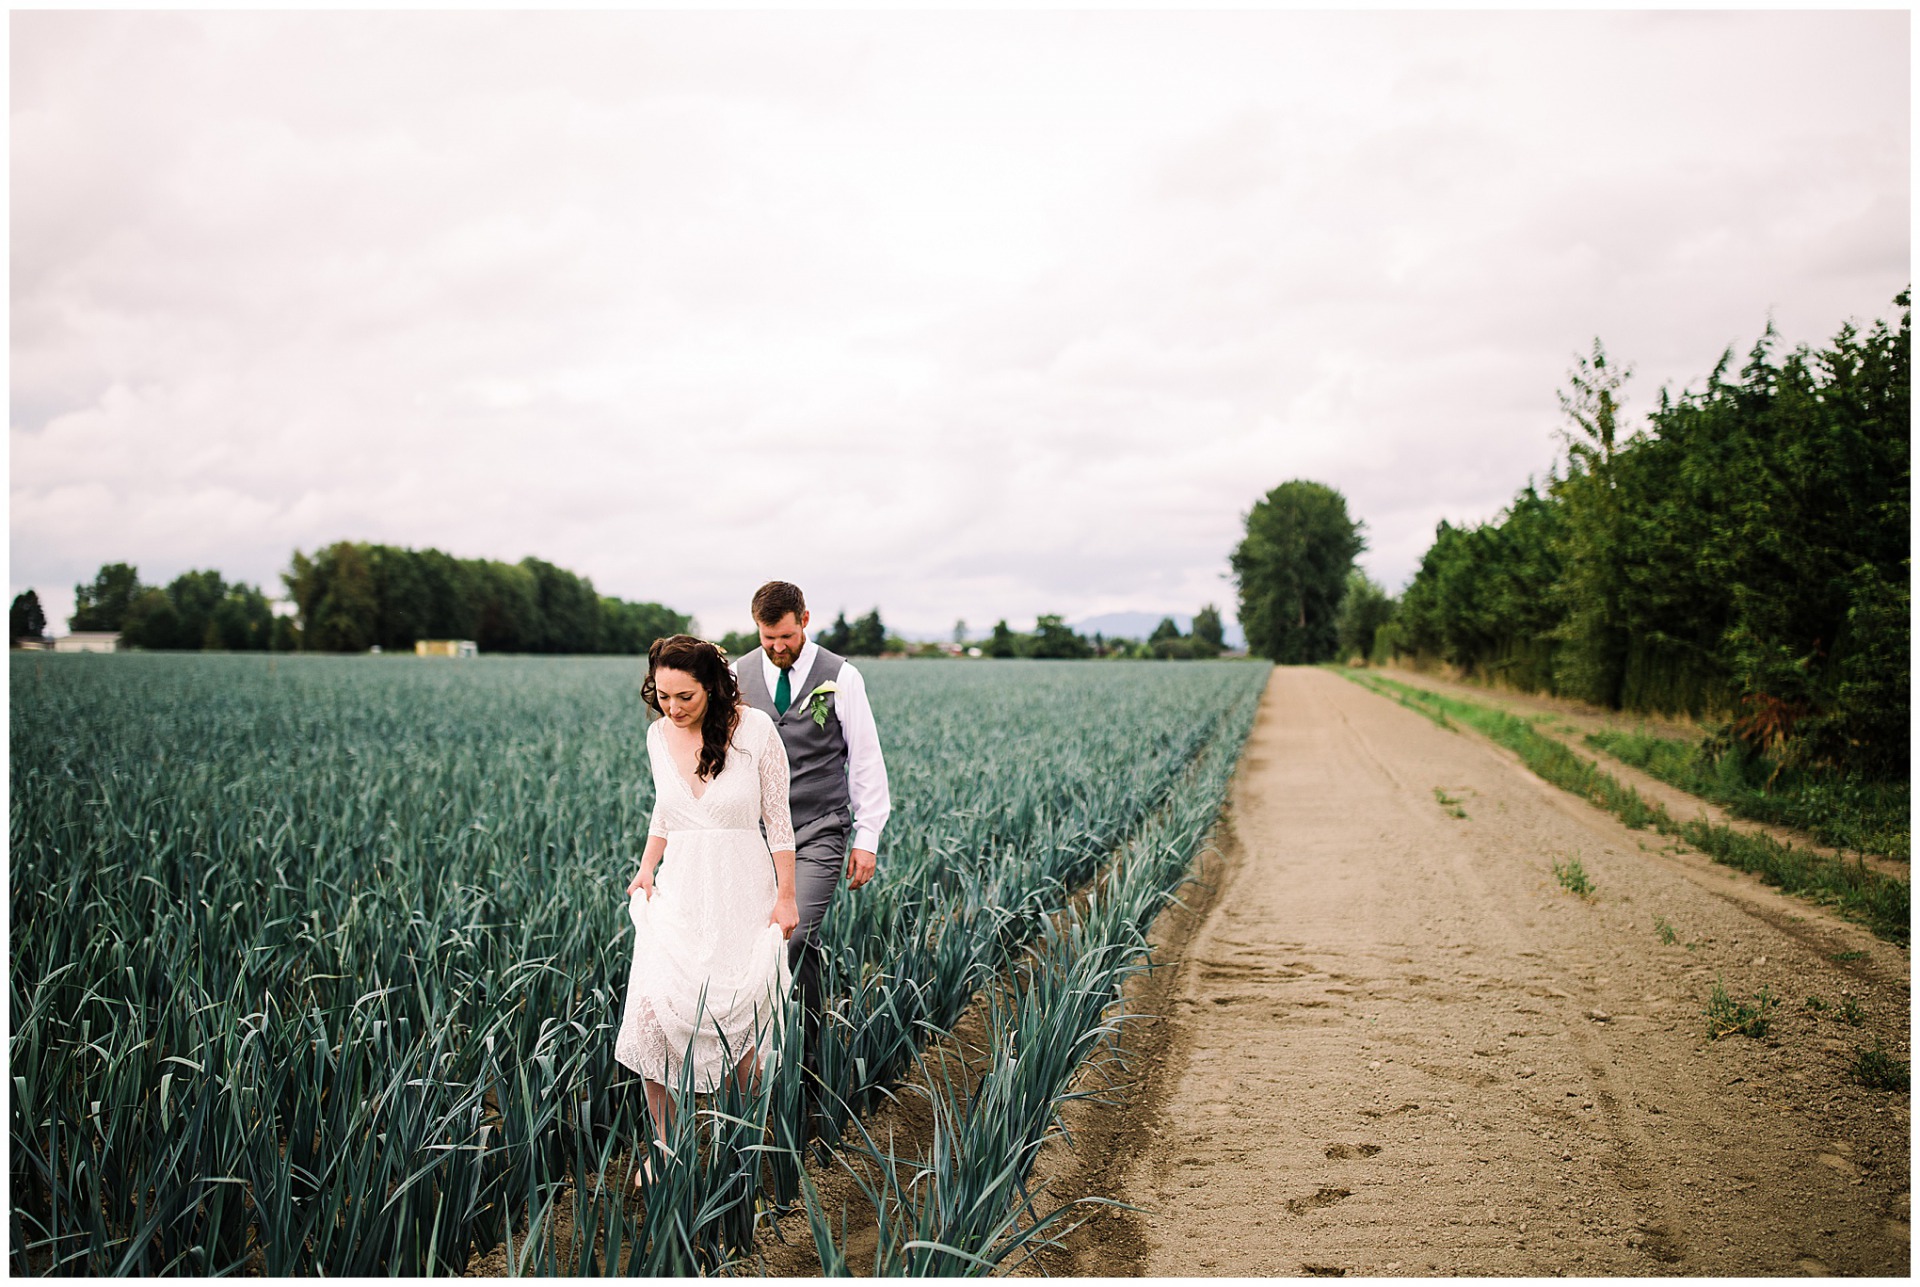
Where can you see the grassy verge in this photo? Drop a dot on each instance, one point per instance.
(1867, 817)
(1880, 902)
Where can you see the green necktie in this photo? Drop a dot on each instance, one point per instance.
(782, 694)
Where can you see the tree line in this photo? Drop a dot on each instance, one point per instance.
(1050, 639)
(193, 611)
(1743, 555)
(865, 637)
(352, 596)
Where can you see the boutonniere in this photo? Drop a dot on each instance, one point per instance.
(822, 698)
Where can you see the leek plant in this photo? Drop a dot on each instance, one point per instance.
(318, 961)
(964, 1207)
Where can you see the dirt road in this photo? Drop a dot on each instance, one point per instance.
(1394, 1044)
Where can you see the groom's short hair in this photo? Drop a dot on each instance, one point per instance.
(775, 600)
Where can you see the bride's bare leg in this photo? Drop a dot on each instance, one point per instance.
(660, 1111)
(746, 1073)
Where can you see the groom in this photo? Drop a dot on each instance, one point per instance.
(837, 780)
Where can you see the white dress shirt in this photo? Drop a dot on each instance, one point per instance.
(866, 769)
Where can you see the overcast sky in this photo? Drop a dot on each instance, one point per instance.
(968, 316)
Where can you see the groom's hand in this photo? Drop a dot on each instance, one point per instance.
(859, 867)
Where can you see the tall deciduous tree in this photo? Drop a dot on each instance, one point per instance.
(631, 628)
(1208, 630)
(195, 596)
(569, 609)
(867, 637)
(1363, 611)
(507, 607)
(242, 621)
(1594, 537)
(837, 637)
(152, 622)
(26, 619)
(405, 600)
(1292, 570)
(738, 643)
(1053, 637)
(347, 618)
(103, 605)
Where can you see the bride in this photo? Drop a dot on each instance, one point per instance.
(713, 903)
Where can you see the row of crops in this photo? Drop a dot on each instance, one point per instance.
(316, 960)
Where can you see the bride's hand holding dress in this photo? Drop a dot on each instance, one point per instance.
(786, 907)
(643, 879)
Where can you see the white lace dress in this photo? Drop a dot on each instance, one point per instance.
(705, 955)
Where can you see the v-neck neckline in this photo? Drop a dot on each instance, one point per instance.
(674, 765)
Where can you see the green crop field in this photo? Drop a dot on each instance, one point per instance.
(317, 961)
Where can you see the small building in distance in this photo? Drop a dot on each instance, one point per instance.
(445, 648)
(88, 641)
(33, 643)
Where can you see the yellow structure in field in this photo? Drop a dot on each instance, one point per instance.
(445, 648)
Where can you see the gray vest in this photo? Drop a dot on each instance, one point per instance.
(816, 754)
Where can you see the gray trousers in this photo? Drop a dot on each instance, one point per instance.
(820, 861)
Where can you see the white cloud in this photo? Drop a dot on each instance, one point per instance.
(960, 315)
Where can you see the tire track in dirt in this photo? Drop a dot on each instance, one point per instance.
(1394, 1045)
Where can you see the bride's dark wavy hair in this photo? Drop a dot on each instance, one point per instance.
(708, 665)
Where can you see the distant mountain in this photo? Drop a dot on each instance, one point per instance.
(1138, 625)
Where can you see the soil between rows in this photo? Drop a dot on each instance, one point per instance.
(1393, 1044)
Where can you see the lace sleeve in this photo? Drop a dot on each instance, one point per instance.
(656, 825)
(773, 790)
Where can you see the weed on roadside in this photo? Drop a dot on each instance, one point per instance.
(1396, 692)
(1850, 1011)
(1878, 1070)
(1815, 1003)
(1449, 803)
(1665, 931)
(1726, 1016)
(1880, 901)
(1838, 809)
(1573, 878)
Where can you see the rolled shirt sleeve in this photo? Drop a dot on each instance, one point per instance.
(866, 767)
